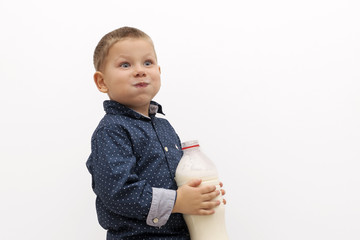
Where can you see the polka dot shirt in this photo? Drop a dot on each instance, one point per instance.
(132, 162)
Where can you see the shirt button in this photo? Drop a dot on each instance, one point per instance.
(166, 149)
(155, 220)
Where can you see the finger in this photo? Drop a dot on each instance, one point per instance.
(210, 196)
(222, 191)
(210, 205)
(194, 182)
(206, 212)
(208, 189)
(224, 201)
(221, 184)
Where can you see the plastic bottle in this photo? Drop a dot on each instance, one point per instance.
(195, 164)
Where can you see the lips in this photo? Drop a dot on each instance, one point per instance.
(141, 84)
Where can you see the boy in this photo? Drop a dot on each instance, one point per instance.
(135, 154)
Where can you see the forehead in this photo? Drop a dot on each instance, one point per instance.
(131, 47)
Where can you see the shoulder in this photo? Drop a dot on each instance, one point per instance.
(113, 124)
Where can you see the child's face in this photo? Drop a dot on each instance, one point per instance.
(131, 75)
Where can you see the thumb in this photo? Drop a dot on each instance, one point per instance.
(194, 182)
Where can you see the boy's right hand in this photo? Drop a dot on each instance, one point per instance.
(194, 200)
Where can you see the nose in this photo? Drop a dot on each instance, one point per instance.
(139, 71)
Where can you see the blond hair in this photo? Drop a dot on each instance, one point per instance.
(110, 39)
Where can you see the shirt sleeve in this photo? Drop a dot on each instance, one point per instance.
(161, 206)
(114, 179)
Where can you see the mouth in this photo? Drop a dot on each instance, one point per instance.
(141, 84)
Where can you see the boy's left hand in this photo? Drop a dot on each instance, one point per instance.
(222, 192)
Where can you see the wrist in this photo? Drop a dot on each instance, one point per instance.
(175, 208)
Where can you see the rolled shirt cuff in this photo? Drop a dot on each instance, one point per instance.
(162, 204)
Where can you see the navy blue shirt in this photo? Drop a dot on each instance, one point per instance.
(132, 162)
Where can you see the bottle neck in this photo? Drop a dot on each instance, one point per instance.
(191, 147)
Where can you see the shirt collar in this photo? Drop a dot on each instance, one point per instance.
(113, 107)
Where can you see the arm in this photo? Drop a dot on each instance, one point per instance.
(114, 179)
(161, 206)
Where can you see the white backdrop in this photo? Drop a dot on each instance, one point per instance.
(269, 88)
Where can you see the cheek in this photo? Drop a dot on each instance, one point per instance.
(120, 78)
(155, 73)
(158, 82)
(158, 79)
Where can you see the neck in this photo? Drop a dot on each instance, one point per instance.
(144, 110)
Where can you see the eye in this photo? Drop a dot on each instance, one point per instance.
(125, 65)
(148, 63)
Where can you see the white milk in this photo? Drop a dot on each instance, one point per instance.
(195, 164)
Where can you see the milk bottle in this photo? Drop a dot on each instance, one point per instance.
(195, 164)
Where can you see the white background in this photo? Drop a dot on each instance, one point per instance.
(269, 88)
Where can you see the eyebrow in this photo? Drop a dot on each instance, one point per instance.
(121, 56)
(148, 55)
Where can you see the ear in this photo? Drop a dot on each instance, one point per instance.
(100, 82)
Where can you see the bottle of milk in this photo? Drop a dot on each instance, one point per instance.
(195, 164)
